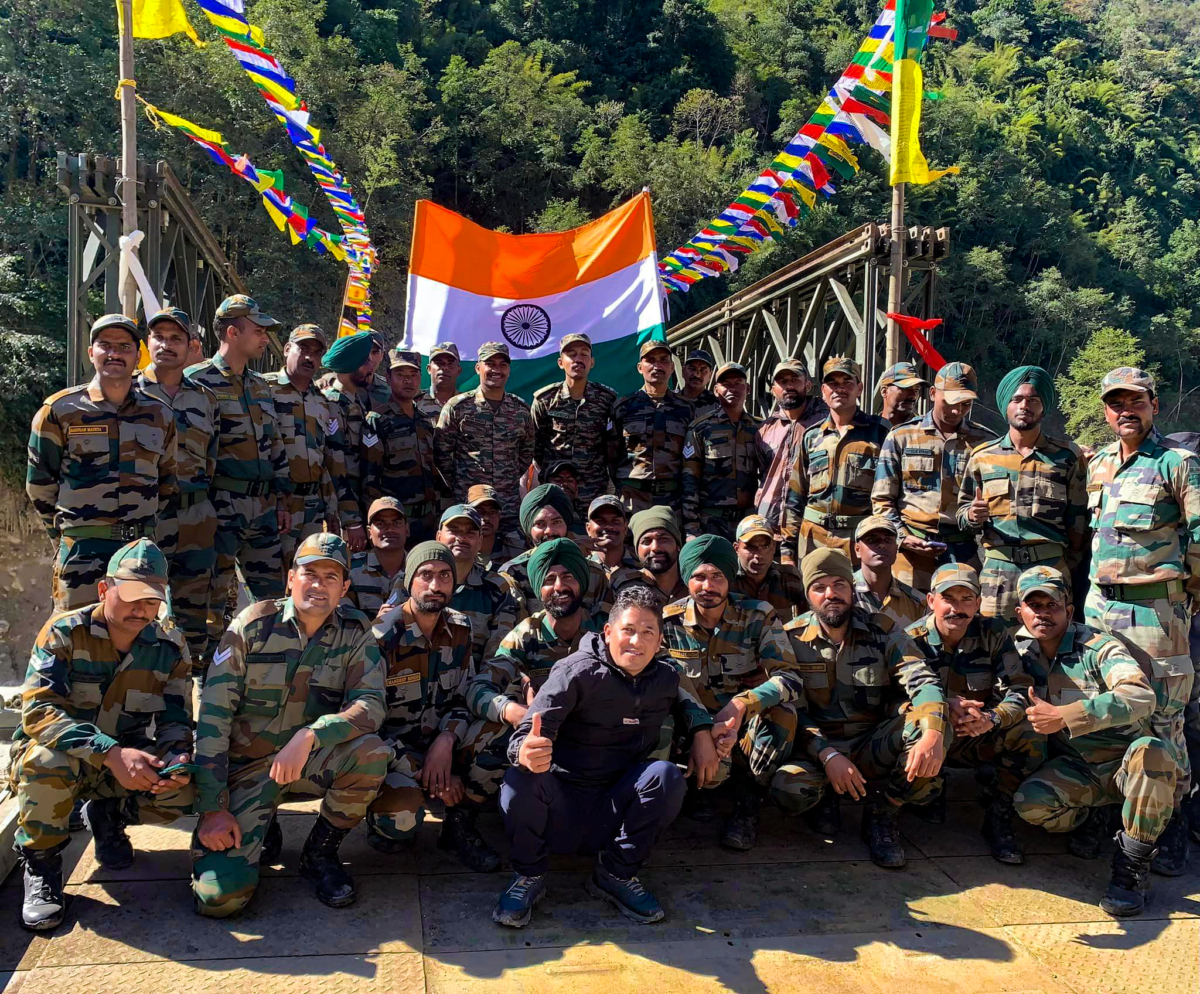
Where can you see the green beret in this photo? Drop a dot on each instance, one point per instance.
(558, 552)
(348, 352)
(708, 550)
(427, 552)
(822, 563)
(659, 516)
(547, 495)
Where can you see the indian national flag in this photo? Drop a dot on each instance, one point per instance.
(469, 285)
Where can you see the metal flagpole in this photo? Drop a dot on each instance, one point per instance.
(897, 281)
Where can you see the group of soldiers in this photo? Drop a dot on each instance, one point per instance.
(818, 605)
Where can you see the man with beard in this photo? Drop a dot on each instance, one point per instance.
(444, 371)
(919, 473)
(1144, 497)
(829, 491)
(987, 692)
(900, 389)
(486, 437)
(400, 465)
(1023, 494)
(186, 532)
(607, 526)
(734, 653)
(426, 648)
(316, 466)
(1095, 702)
(647, 434)
(894, 604)
(856, 679)
(657, 541)
(101, 468)
(759, 576)
(697, 375)
(780, 434)
(377, 572)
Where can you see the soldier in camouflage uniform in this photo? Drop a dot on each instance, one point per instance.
(486, 437)
(1023, 493)
(291, 704)
(987, 691)
(312, 440)
(894, 604)
(426, 648)
(101, 464)
(494, 548)
(657, 541)
(251, 483)
(829, 492)
(445, 368)
(186, 533)
(607, 527)
(759, 576)
(98, 677)
(646, 436)
(856, 678)
(571, 418)
(720, 461)
(733, 650)
(919, 473)
(401, 464)
(379, 571)
(1095, 703)
(1144, 499)
(697, 374)
(900, 389)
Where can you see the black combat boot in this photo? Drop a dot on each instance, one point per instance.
(105, 819)
(879, 831)
(1130, 884)
(43, 906)
(460, 835)
(1191, 808)
(1084, 840)
(998, 830)
(933, 813)
(741, 831)
(699, 804)
(826, 817)
(75, 823)
(321, 866)
(1171, 859)
(272, 843)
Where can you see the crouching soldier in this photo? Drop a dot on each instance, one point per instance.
(97, 678)
(291, 703)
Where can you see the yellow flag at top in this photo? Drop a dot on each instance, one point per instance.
(908, 163)
(158, 19)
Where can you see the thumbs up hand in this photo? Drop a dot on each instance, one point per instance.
(536, 750)
(1045, 718)
(979, 512)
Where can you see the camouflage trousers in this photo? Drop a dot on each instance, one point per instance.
(187, 538)
(1156, 634)
(718, 521)
(917, 569)
(48, 782)
(1191, 719)
(998, 586)
(247, 537)
(347, 777)
(308, 518)
(814, 536)
(879, 754)
(1016, 752)
(399, 810)
(762, 748)
(80, 564)
(1059, 795)
(641, 500)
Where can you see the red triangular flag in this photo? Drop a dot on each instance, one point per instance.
(912, 328)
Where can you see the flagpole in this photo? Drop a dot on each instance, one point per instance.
(128, 180)
(896, 282)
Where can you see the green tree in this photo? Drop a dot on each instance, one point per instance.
(1079, 388)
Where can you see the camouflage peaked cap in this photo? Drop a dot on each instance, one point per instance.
(1127, 378)
(1042, 578)
(139, 571)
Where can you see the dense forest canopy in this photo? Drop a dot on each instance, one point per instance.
(1074, 224)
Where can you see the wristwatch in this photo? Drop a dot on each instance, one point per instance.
(994, 717)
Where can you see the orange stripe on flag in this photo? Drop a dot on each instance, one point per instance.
(449, 249)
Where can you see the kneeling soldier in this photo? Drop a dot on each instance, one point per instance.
(291, 702)
(97, 678)
(1095, 703)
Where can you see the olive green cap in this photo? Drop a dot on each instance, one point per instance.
(138, 571)
(954, 575)
(323, 545)
(875, 523)
(115, 321)
(1042, 578)
(241, 306)
(841, 364)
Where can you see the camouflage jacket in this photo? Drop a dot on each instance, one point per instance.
(745, 656)
(350, 408)
(646, 439)
(919, 473)
(267, 681)
(313, 442)
(779, 439)
(428, 405)
(900, 608)
(782, 588)
(832, 478)
(82, 696)
(196, 426)
(638, 574)
(476, 443)
(250, 445)
(983, 666)
(95, 465)
(426, 678)
(704, 404)
(1145, 514)
(1106, 698)
(597, 599)
(850, 689)
(1039, 499)
(627, 562)
(720, 468)
(565, 428)
(400, 463)
(370, 586)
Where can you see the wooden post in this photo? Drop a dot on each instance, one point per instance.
(897, 281)
(129, 217)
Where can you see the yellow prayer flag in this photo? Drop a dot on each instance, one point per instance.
(157, 19)
(908, 164)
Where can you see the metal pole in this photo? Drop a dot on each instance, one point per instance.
(897, 281)
(128, 191)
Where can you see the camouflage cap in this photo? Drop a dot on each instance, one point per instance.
(902, 375)
(730, 367)
(481, 493)
(309, 333)
(489, 349)
(789, 366)
(574, 338)
(464, 512)
(556, 467)
(1127, 378)
(176, 314)
(652, 345)
(241, 306)
(444, 348)
(1042, 578)
(957, 381)
(138, 571)
(385, 504)
(700, 355)
(399, 358)
(608, 500)
(875, 523)
(323, 545)
(753, 525)
(954, 575)
(116, 321)
(841, 364)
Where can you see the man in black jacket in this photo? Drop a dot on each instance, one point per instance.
(581, 780)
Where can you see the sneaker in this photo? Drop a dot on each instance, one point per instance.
(519, 898)
(629, 896)
(42, 908)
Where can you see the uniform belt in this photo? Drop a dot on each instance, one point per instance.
(653, 487)
(726, 513)
(1139, 591)
(247, 488)
(306, 489)
(114, 533)
(950, 536)
(1025, 555)
(190, 499)
(832, 521)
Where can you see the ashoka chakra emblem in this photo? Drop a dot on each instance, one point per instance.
(526, 326)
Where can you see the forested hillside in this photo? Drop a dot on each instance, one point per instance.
(1075, 124)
